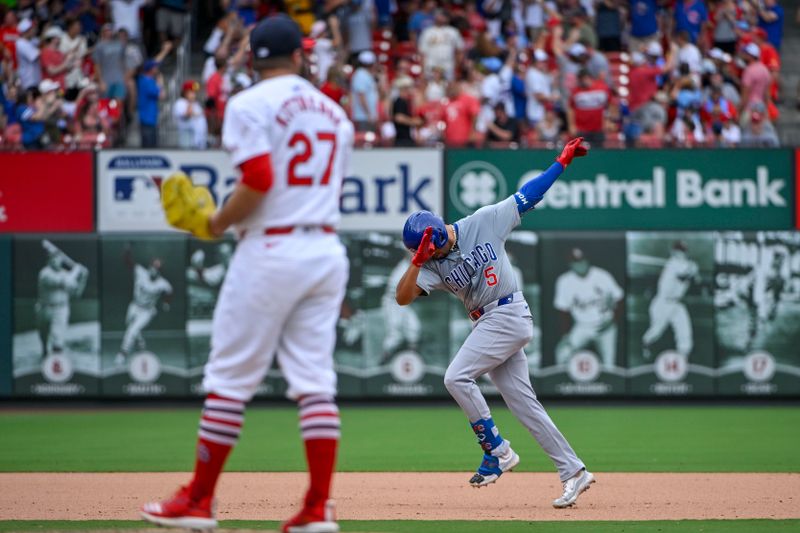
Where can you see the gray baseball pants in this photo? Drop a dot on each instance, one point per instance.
(495, 347)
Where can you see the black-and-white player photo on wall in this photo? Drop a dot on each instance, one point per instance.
(670, 313)
(757, 304)
(56, 343)
(583, 324)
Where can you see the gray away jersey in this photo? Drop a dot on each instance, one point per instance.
(478, 271)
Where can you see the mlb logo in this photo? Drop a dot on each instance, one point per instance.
(133, 188)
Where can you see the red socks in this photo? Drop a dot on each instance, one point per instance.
(320, 429)
(220, 425)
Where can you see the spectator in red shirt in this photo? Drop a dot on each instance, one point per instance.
(216, 90)
(770, 58)
(460, 113)
(644, 80)
(8, 37)
(756, 78)
(331, 88)
(587, 108)
(54, 63)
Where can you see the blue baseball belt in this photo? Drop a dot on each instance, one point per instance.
(475, 314)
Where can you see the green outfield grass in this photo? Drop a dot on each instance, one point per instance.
(456, 526)
(622, 439)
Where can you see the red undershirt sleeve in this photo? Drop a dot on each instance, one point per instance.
(257, 173)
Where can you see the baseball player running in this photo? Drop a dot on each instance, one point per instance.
(667, 308)
(286, 282)
(59, 280)
(149, 286)
(589, 295)
(468, 259)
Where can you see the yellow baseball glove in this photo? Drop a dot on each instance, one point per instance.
(187, 207)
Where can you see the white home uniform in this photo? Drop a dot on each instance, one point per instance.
(402, 322)
(667, 309)
(142, 309)
(56, 285)
(287, 278)
(590, 299)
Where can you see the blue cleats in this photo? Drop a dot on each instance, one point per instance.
(493, 467)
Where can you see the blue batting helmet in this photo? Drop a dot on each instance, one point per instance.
(415, 226)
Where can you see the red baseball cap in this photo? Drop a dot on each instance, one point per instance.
(190, 85)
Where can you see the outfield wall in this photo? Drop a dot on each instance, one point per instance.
(718, 317)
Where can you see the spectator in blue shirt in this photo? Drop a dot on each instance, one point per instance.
(421, 19)
(149, 86)
(518, 92)
(384, 9)
(365, 93)
(88, 12)
(9, 94)
(690, 15)
(644, 23)
(770, 17)
(34, 112)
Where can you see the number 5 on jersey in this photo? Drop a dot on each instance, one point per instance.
(305, 153)
(491, 277)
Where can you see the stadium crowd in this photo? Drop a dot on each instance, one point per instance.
(496, 73)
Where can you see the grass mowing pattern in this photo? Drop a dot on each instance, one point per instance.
(456, 526)
(610, 439)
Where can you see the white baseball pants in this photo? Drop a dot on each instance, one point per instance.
(281, 296)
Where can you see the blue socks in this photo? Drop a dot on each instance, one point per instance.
(488, 435)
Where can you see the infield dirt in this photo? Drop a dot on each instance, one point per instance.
(413, 496)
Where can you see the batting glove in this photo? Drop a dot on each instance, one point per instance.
(573, 149)
(425, 249)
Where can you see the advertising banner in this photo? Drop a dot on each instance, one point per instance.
(56, 316)
(382, 189)
(670, 313)
(386, 185)
(582, 314)
(757, 311)
(46, 192)
(634, 189)
(404, 349)
(129, 184)
(144, 348)
(5, 316)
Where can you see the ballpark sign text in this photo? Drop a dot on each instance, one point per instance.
(654, 190)
(383, 186)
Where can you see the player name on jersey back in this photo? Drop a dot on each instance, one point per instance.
(309, 141)
(307, 103)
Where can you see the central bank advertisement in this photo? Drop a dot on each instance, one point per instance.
(634, 189)
(383, 187)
